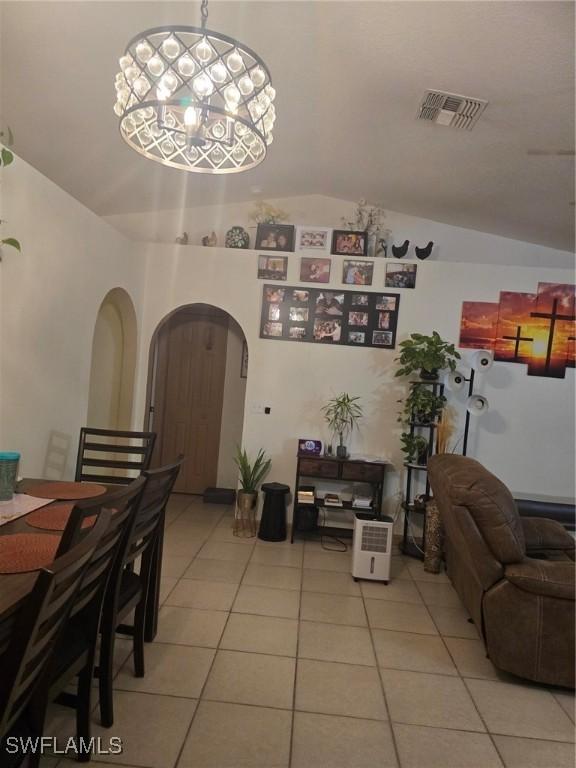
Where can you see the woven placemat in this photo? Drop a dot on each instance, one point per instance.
(21, 552)
(55, 517)
(61, 490)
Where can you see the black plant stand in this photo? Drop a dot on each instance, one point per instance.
(409, 547)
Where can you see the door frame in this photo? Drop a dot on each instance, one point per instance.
(202, 308)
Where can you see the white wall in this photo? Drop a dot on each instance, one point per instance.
(526, 438)
(232, 408)
(49, 300)
(451, 243)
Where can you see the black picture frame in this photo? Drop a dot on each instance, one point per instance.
(330, 316)
(275, 237)
(346, 242)
(272, 267)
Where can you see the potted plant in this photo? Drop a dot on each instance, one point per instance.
(251, 476)
(342, 414)
(427, 355)
(422, 406)
(415, 448)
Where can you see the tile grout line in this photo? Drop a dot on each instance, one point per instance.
(291, 744)
(200, 696)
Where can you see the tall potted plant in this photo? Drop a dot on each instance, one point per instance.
(426, 355)
(342, 414)
(251, 475)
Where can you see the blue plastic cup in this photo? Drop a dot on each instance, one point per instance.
(8, 473)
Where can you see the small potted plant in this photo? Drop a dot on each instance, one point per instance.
(426, 355)
(251, 476)
(415, 448)
(342, 414)
(422, 406)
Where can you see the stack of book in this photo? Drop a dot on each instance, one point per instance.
(306, 494)
(362, 502)
(332, 500)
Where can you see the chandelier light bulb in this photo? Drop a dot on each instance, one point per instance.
(190, 117)
(141, 86)
(245, 85)
(232, 95)
(169, 82)
(162, 94)
(131, 74)
(125, 62)
(171, 47)
(118, 109)
(235, 62)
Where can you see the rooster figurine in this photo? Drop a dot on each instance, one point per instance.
(423, 253)
(399, 251)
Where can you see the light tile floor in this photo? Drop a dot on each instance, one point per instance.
(270, 655)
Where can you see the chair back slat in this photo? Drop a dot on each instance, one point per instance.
(97, 449)
(39, 623)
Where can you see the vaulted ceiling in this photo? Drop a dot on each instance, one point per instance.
(349, 77)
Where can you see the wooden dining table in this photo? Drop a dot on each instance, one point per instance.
(15, 587)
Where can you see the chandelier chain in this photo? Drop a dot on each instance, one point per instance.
(204, 12)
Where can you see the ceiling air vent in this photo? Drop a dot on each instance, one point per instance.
(450, 109)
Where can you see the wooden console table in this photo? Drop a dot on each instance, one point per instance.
(343, 471)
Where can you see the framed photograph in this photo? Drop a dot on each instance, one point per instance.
(400, 275)
(335, 317)
(314, 270)
(347, 243)
(273, 329)
(329, 303)
(327, 330)
(315, 239)
(382, 338)
(357, 272)
(386, 303)
(274, 295)
(272, 267)
(244, 361)
(275, 237)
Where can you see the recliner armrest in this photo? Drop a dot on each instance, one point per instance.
(551, 578)
(541, 533)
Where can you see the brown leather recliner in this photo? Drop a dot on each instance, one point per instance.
(514, 575)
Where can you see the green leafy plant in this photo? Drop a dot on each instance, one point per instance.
(252, 473)
(342, 414)
(414, 447)
(426, 354)
(6, 159)
(421, 405)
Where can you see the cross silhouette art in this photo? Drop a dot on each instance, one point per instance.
(553, 316)
(518, 338)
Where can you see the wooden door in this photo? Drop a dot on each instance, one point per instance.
(191, 365)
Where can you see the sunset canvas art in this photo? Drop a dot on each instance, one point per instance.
(536, 329)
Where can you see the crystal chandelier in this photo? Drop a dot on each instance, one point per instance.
(195, 99)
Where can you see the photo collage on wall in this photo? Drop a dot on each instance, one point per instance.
(350, 318)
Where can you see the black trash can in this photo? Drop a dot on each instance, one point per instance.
(273, 521)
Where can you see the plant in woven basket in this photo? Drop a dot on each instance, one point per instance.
(426, 355)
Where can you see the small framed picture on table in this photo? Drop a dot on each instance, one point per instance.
(349, 243)
(313, 239)
(275, 237)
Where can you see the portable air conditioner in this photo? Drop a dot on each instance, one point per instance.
(372, 547)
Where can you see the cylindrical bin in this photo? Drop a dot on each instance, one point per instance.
(273, 521)
(8, 473)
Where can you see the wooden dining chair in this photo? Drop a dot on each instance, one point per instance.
(75, 652)
(131, 589)
(37, 630)
(99, 452)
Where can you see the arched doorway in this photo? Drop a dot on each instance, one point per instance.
(196, 391)
(113, 364)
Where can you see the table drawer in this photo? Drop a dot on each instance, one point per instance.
(318, 468)
(369, 473)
